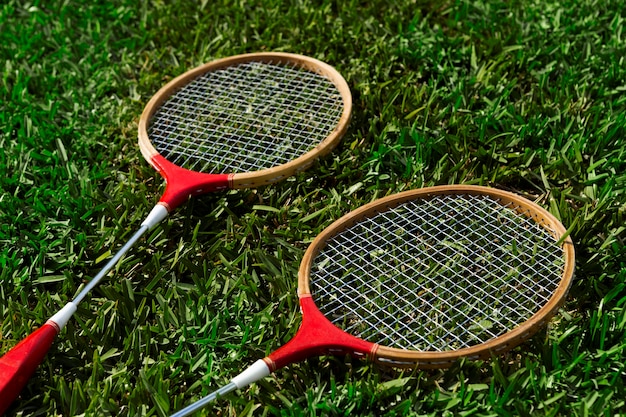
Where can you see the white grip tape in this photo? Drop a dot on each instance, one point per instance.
(61, 318)
(258, 370)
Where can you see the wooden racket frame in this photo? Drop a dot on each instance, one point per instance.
(265, 176)
(430, 359)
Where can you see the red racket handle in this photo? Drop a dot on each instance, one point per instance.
(17, 365)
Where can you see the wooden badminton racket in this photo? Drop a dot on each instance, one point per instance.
(423, 278)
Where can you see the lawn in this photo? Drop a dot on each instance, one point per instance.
(526, 96)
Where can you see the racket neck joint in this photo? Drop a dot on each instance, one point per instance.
(183, 183)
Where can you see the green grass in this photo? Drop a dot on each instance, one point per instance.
(527, 96)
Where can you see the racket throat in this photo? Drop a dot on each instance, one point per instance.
(318, 336)
(183, 183)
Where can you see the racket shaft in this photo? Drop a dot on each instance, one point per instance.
(206, 400)
(253, 373)
(111, 263)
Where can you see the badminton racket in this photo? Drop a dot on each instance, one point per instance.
(238, 122)
(423, 278)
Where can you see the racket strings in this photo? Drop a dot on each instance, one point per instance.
(246, 117)
(439, 274)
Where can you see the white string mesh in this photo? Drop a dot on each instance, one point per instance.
(246, 117)
(437, 274)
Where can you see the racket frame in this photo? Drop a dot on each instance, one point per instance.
(440, 359)
(191, 182)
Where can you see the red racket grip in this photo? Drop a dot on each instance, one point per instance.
(17, 365)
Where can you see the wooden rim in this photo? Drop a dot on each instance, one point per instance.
(270, 175)
(431, 359)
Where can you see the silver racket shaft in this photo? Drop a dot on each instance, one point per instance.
(258, 370)
(206, 400)
(157, 214)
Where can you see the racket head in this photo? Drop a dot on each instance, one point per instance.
(489, 294)
(257, 118)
